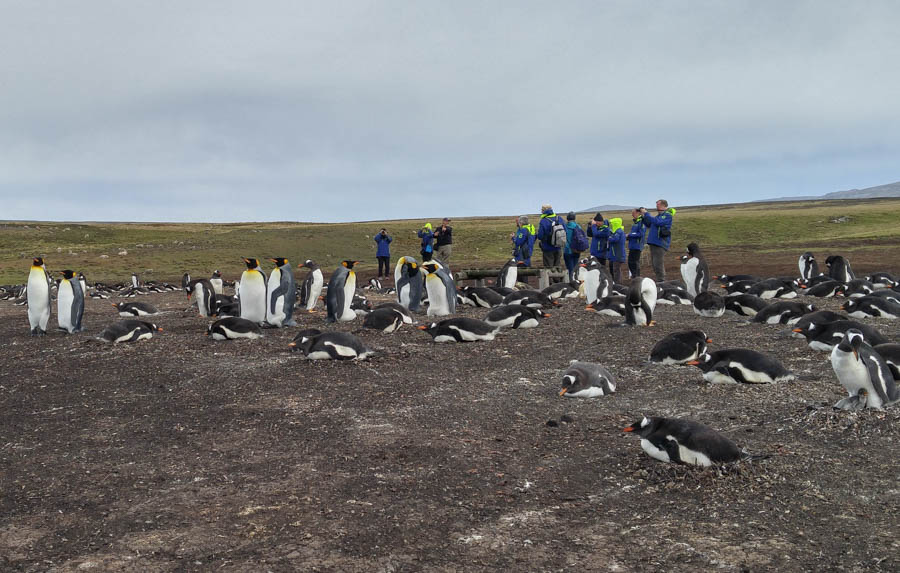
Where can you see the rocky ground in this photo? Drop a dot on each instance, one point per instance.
(181, 453)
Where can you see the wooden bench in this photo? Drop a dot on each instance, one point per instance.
(479, 275)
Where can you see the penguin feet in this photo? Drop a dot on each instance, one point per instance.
(651, 323)
(36, 331)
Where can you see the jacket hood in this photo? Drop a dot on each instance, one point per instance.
(615, 224)
(427, 226)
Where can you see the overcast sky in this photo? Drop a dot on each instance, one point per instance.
(343, 111)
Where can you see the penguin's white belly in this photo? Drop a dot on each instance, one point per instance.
(315, 290)
(768, 294)
(689, 274)
(718, 378)
(654, 452)
(503, 323)
(471, 336)
(592, 392)
(64, 299)
(751, 376)
(823, 346)
(277, 316)
(853, 376)
(126, 337)
(444, 338)
(591, 283)
(403, 295)
(528, 323)
(347, 314)
(200, 299)
(689, 456)
(437, 297)
(218, 286)
(253, 296)
(318, 355)
(510, 279)
(38, 295)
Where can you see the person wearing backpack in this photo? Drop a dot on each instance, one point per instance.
(598, 231)
(616, 249)
(636, 237)
(576, 242)
(549, 236)
(523, 240)
(659, 237)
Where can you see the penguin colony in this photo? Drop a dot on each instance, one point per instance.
(865, 362)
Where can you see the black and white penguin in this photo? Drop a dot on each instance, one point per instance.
(281, 294)
(887, 293)
(232, 328)
(312, 286)
(83, 281)
(828, 288)
(587, 380)
(725, 278)
(773, 288)
(385, 319)
(680, 347)
(217, 283)
(502, 291)
(135, 281)
(839, 269)
(695, 271)
(461, 329)
(532, 298)
(872, 306)
(738, 287)
(407, 317)
(410, 283)
(37, 292)
(128, 331)
(204, 296)
(597, 281)
(515, 316)
(373, 284)
(741, 365)
(673, 294)
(70, 303)
(684, 442)
(818, 318)
(809, 267)
(608, 306)
(485, 297)
(252, 292)
(782, 312)
(641, 302)
(709, 304)
(509, 274)
(333, 345)
(744, 304)
(561, 290)
(127, 309)
(441, 290)
(882, 280)
(824, 337)
(890, 351)
(858, 288)
(341, 288)
(863, 373)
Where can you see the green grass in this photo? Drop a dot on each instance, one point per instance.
(163, 251)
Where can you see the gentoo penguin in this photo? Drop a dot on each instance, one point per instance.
(185, 279)
(253, 292)
(341, 288)
(384, 319)
(312, 286)
(127, 309)
(773, 288)
(782, 312)
(128, 331)
(890, 351)
(741, 365)
(695, 271)
(809, 268)
(587, 380)
(532, 298)
(135, 281)
(641, 302)
(509, 274)
(597, 281)
(828, 288)
(887, 293)
(441, 290)
(826, 336)
(204, 295)
(863, 373)
(608, 306)
(684, 442)
(839, 269)
(330, 346)
(818, 317)
(872, 306)
(460, 329)
(515, 316)
(502, 291)
(37, 292)
(216, 281)
(725, 278)
(737, 287)
(859, 287)
(407, 317)
(281, 293)
(744, 304)
(882, 280)
(83, 281)
(801, 283)
(680, 347)
(373, 284)
(673, 294)
(233, 327)
(410, 283)
(70, 303)
(709, 304)
(561, 290)
(482, 296)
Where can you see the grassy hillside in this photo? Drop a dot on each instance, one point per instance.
(164, 251)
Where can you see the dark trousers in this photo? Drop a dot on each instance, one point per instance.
(426, 255)
(615, 271)
(571, 260)
(551, 259)
(383, 262)
(634, 262)
(656, 259)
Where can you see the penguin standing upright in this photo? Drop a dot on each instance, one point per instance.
(597, 281)
(809, 268)
(37, 292)
(253, 292)
(70, 303)
(839, 268)
(341, 288)
(281, 294)
(312, 286)
(509, 274)
(217, 283)
(641, 302)
(83, 281)
(409, 283)
(863, 373)
(695, 271)
(441, 290)
(684, 442)
(204, 295)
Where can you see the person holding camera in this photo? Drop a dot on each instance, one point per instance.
(636, 237)
(598, 231)
(659, 237)
(383, 253)
(443, 242)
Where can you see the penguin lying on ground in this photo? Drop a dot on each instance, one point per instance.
(872, 306)
(684, 442)
(128, 331)
(889, 294)
(741, 365)
(882, 280)
(828, 288)
(232, 328)
(858, 288)
(407, 317)
(824, 337)
(385, 319)
(135, 309)
(515, 316)
(561, 290)
(738, 287)
(673, 294)
(609, 306)
(782, 312)
(532, 298)
(587, 380)
(482, 296)
(890, 351)
(818, 318)
(461, 329)
(641, 302)
(709, 304)
(744, 305)
(773, 288)
(863, 373)
(680, 347)
(333, 345)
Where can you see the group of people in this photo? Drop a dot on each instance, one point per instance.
(436, 243)
(608, 240)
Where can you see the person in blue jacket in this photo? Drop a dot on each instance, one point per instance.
(552, 256)
(427, 236)
(570, 256)
(616, 248)
(523, 241)
(636, 237)
(659, 237)
(383, 252)
(598, 230)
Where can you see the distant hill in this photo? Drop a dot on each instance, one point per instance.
(602, 208)
(889, 190)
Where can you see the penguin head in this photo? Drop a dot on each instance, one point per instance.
(684, 258)
(429, 329)
(703, 362)
(68, 275)
(643, 427)
(217, 274)
(252, 264)
(152, 327)
(430, 267)
(305, 339)
(348, 263)
(37, 262)
(693, 249)
(849, 305)
(569, 382)
(279, 261)
(853, 339)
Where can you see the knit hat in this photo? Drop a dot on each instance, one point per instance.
(570, 216)
(598, 216)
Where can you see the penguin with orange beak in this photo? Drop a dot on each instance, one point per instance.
(341, 288)
(863, 373)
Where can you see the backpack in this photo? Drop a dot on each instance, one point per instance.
(558, 234)
(579, 240)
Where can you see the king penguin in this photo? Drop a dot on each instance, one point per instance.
(312, 286)
(863, 373)
(684, 442)
(409, 282)
(441, 290)
(38, 295)
(695, 271)
(253, 292)
(341, 288)
(641, 302)
(281, 294)
(70, 303)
